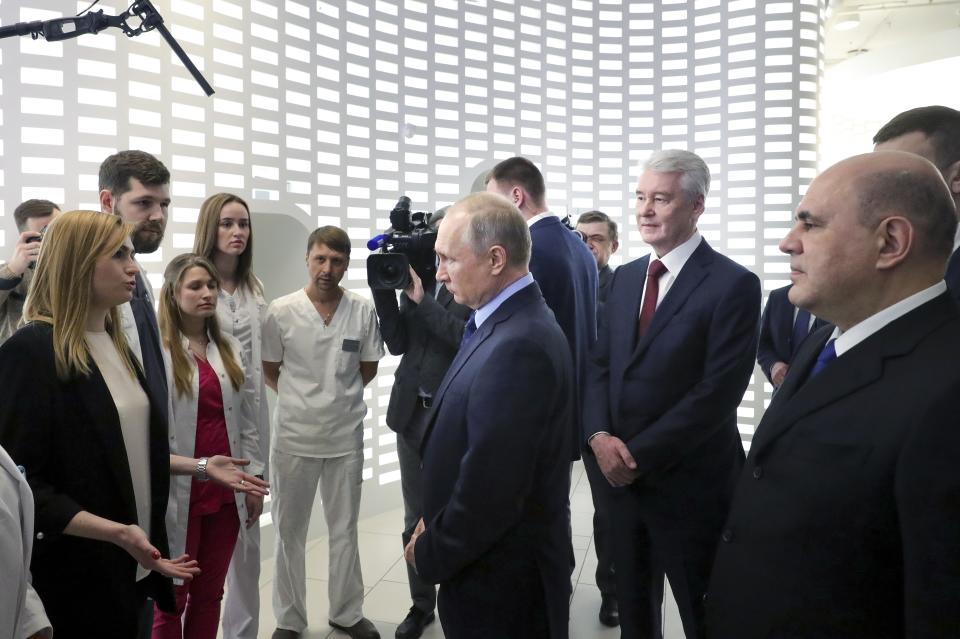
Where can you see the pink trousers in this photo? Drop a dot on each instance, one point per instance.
(210, 540)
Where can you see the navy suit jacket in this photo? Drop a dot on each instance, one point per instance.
(496, 477)
(776, 331)
(846, 518)
(672, 398)
(566, 271)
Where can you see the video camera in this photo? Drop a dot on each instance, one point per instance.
(408, 242)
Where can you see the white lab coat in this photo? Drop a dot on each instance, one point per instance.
(21, 611)
(242, 431)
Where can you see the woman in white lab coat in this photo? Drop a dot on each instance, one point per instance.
(225, 237)
(211, 413)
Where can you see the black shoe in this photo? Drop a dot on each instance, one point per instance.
(414, 623)
(609, 611)
(363, 629)
(284, 633)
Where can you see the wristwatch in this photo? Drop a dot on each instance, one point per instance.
(201, 472)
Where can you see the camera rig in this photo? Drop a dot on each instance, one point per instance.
(140, 17)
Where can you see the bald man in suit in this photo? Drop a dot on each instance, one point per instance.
(846, 518)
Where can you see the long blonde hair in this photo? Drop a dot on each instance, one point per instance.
(171, 326)
(205, 240)
(62, 287)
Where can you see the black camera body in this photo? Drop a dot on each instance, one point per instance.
(408, 242)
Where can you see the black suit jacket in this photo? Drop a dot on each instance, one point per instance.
(846, 519)
(952, 276)
(673, 397)
(776, 331)
(605, 276)
(428, 336)
(496, 479)
(67, 436)
(566, 271)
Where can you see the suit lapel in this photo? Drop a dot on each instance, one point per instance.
(860, 366)
(517, 300)
(693, 273)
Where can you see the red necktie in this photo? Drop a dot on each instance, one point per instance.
(650, 294)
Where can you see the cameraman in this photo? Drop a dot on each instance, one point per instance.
(425, 328)
(31, 218)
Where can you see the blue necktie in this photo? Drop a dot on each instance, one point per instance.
(468, 330)
(827, 355)
(801, 328)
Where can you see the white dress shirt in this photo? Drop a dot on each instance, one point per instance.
(674, 261)
(859, 332)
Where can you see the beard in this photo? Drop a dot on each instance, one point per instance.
(147, 236)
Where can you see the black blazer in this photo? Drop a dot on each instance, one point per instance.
(846, 519)
(566, 271)
(673, 397)
(67, 436)
(776, 331)
(496, 479)
(428, 336)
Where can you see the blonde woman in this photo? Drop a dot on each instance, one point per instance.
(76, 414)
(211, 414)
(225, 237)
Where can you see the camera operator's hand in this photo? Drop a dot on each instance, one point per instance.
(414, 289)
(24, 253)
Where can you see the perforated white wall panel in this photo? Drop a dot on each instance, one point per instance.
(327, 111)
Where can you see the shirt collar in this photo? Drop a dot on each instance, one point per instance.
(856, 334)
(675, 259)
(484, 312)
(540, 216)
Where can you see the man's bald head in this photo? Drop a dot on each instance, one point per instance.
(870, 231)
(889, 183)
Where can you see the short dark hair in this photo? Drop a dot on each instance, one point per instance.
(520, 172)
(921, 197)
(116, 171)
(599, 216)
(32, 208)
(333, 237)
(940, 124)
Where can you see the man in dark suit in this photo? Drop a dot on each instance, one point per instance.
(783, 328)
(846, 518)
(932, 132)
(675, 352)
(561, 264)
(602, 240)
(495, 473)
(426, 328)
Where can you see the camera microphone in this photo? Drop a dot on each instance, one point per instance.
(375, 243)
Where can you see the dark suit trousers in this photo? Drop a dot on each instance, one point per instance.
(423, 594)
(602, 527)
(647, 546)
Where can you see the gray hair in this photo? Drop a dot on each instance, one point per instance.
(695, 176)
(495, 221)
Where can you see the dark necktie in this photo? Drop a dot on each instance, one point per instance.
(149, 334)
(468, 330)
(827, 355)
(801, 328)
(650, 294)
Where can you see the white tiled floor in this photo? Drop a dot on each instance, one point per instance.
(388, 599)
